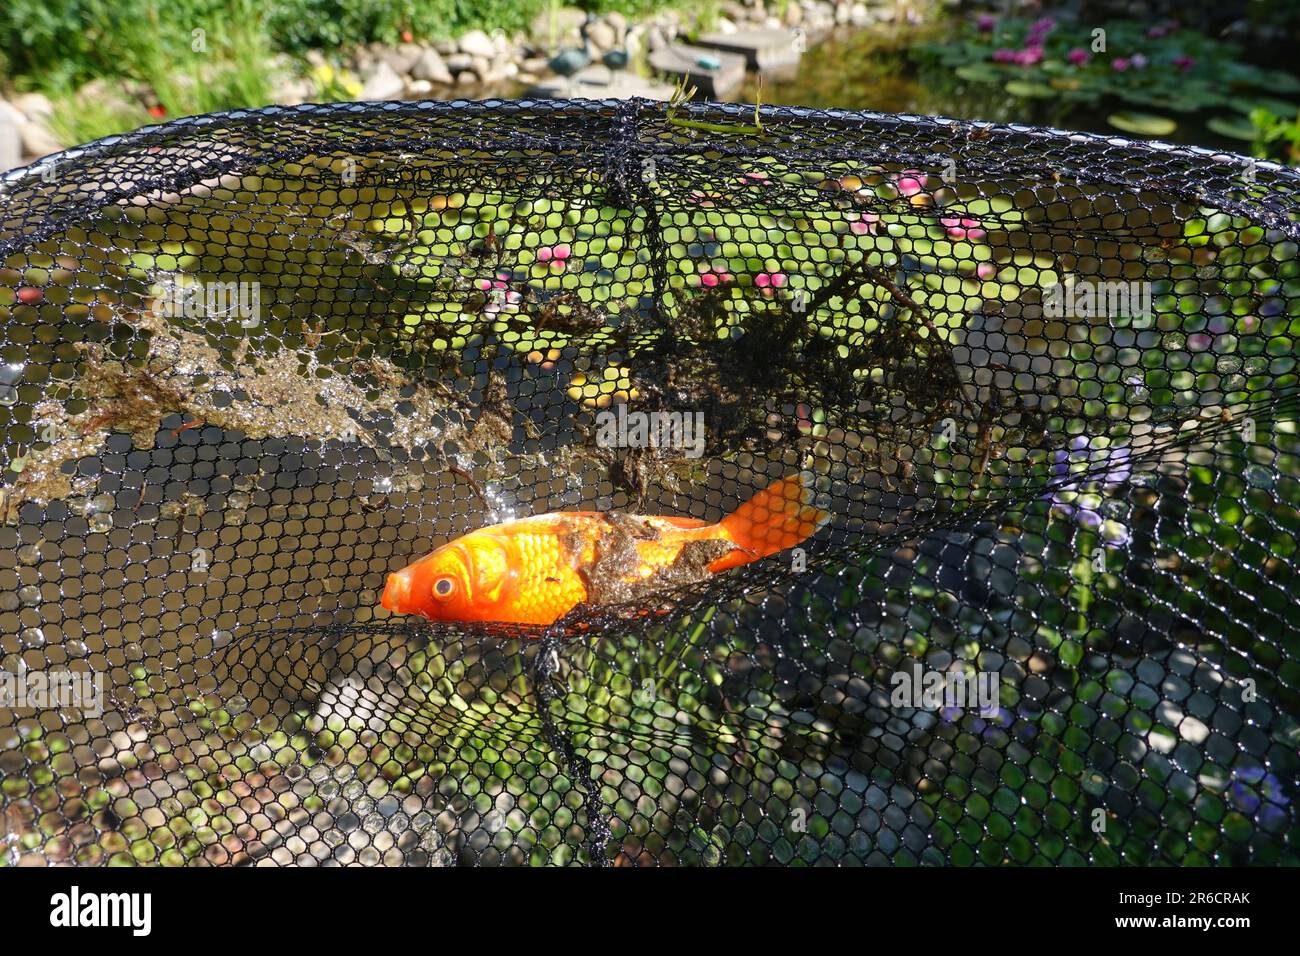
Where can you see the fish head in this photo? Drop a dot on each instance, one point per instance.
(460, 581)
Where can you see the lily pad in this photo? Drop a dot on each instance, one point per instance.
(1280, 108)
(1030, 89)
(1281, 82)
(1143, 124)
(976, 73)
(1233, 127)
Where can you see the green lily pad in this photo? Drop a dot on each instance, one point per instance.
(1143, 124)
(1280, 81)
(1280, 108)
(1030, 89)
(976, 73)
(1231, 126)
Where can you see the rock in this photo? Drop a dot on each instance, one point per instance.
(764, 50)
(794, 15)
(726, 26)
(315, 58)
(842, 14)
(656, 39)
(482, 67)
(446, 47)
(859, 15)
(477, 43)
(557, 28)
(11, 140)
(738, 13)
(400, 58)
(596, 81)
(36, 107)
(38, 141)
(459, 62)
(382, 83)
(536, 65)
(714, 82)
(290, 90)
(100, 94)
(419, 88)
(602, 36)
(467, 78)
(431, 68)
(618, 22)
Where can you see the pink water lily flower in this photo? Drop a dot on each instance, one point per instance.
(963, 227)
(867, 224)
(1029, 55)
(1078, 56)
(556, 256)
(1120, 63)
(769, 282)
(714, 276)
(502, 295)
(910, 182)
(1004, 55)
(1185, 62)
(986, 22)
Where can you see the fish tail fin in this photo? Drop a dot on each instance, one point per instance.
(778, 517)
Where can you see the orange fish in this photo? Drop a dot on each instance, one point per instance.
(535, 570)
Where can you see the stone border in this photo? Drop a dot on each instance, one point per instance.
(480, 64)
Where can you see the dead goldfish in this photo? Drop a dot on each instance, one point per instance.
(535, 570)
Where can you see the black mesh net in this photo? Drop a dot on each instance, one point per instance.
(1042, 385)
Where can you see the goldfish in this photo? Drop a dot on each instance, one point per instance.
(535, 570)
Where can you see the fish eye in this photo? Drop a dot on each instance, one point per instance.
(443, 587)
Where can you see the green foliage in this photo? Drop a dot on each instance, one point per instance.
(1273, 132)
(90, 118)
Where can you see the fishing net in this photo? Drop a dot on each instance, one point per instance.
(1043, 383)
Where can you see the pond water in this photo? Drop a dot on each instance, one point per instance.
(875, 70)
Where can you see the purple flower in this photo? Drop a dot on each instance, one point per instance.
(1029, 55)
(1094, 463)
(1138, 61)
(1078, 56)
(1038, 30)
(1120, 63)
(1185, 62)
(986, 22)
(1004, 55)
(1258, 793)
